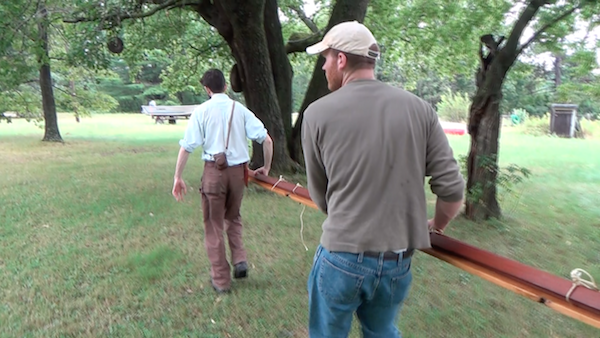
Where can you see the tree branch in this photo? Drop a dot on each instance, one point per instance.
(213, 13)
(537, 34)
(524, 19)
(299, 45)
(169, 4)
(207, 48)
(307, 21)
(208, 12)
(62, 90)
(508, 54)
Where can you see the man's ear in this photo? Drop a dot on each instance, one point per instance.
(341, 60)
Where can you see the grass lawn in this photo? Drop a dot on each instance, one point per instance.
(92, 244)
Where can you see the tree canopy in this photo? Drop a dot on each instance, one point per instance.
(487, 51)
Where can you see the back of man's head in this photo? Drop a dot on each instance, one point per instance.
(214, 80)
(353, 39)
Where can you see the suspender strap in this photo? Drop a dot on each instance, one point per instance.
(229, 128)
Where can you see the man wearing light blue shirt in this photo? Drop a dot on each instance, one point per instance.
(221, 125)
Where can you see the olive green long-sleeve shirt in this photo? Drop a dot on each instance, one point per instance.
(368, 148)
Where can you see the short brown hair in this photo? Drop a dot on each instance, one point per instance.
(360, 62)
(214, 80)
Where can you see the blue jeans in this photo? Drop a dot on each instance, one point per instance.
(341, 284)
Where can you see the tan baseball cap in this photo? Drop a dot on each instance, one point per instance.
(350, 37)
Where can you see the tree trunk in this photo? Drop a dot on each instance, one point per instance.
(74, 98)
(344, 10)
(249, 47)
(484, 127)
(557, 71)
(51, 133)
(482, 162)
(282, 69)
(317, 88)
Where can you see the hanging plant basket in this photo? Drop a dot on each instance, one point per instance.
(115, 45)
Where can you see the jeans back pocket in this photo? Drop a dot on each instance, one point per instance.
(338, 285)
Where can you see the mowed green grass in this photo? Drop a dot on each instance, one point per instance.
(92, 244)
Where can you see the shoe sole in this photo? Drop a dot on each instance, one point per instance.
(218, 290)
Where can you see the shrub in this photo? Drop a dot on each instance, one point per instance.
(536, 126)
(131, 104)
(454, 107)
(591, 129)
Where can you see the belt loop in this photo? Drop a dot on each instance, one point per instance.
(360, 257)
(400, 258)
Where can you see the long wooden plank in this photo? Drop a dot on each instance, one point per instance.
(550, 284)
(518, 287)
(535, 284)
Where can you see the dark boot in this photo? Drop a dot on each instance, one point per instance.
(240, 270)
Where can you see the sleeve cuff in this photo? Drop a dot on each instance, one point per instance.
(457, 197)
(262, 138)
(186, 146)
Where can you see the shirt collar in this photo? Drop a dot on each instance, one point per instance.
(219, 96)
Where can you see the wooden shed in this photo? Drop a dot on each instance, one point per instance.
(563, 119)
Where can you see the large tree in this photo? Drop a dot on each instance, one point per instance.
(25, 42)
(51, 132)
(37, 74)
(252, 31)
(484, 117)
(415, 36)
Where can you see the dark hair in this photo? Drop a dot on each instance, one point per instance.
(214, 80)
(360, 62)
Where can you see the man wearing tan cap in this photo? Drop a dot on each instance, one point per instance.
(368, 147)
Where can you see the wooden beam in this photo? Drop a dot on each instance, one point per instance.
(537, 285)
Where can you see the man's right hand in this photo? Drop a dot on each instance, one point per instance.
(262, 171)
(444, 213)
(433, 227)
(179, 189)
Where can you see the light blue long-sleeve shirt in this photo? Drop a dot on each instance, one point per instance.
(207, 128)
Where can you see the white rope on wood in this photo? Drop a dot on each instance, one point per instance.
(302, 227)
(281, 179)
(578, 280)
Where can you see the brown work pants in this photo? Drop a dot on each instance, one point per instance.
(222, 193)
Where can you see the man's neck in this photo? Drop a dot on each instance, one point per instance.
(359, 74)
